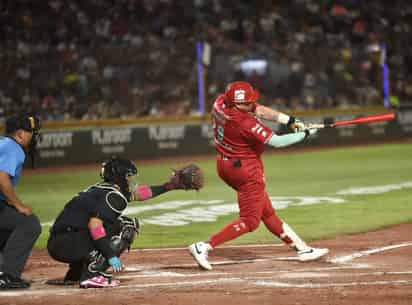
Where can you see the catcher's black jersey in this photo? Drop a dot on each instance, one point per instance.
(102, 200)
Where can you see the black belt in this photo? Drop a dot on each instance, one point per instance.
(223, 157)
(236, 162)
(67, 229)
(3, 203)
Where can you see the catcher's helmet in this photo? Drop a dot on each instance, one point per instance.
(116, 170)
(240, 92)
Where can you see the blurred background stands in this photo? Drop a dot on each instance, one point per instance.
(101, 59)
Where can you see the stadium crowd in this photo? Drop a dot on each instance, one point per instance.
(127, 58)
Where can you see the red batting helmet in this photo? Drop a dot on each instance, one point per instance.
(241, 92)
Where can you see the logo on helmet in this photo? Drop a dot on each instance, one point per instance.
(241, 92)
(239, 95)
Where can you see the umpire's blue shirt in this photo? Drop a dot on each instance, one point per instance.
(12, 158)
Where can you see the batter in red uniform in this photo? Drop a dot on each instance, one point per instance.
(240, 139)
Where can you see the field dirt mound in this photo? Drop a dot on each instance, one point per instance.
(370, 268)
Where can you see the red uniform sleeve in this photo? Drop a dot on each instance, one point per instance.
(255, 131)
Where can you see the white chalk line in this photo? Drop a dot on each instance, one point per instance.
(194, 265)
(220, 247)
(318, 285)
(266, 282)
(235, 280)
(224, 262)
(335, 260)
(155, 270)
(161, 274)
(302, 273)
(348, 258)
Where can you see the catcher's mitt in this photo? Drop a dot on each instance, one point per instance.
(189, 177)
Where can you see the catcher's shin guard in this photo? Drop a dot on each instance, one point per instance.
(129, 228)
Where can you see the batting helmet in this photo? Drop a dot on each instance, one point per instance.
(116, 170)
(240, 92)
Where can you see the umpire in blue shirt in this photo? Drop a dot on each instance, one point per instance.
(19, 227)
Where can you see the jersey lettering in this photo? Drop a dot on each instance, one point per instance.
(259, 130)
(219, 131)
(236, 133)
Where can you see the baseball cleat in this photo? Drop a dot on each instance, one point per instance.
(8, 281)
(99, 281)
(199, 252)
(312, 254)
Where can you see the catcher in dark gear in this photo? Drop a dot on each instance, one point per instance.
(90, 234)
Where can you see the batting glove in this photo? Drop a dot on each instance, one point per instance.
(296, 125)
(310, 132)
(115, 263)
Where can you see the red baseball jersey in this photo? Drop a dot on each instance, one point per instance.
(238, 134)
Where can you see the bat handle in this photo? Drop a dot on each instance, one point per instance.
(319, 126)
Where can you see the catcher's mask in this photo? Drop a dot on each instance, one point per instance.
(27, 122)
(118, 171)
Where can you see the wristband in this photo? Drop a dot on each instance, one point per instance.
(143, 192)
(291, 120)
(284, 118)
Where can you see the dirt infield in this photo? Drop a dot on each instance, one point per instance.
(370, 268)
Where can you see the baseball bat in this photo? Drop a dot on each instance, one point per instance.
(362, 120)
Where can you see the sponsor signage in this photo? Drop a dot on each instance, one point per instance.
(63, 147)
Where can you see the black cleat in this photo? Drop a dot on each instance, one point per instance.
(8, 281)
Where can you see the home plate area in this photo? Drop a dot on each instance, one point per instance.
(369, 268)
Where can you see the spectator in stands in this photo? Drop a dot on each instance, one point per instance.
(80, 45)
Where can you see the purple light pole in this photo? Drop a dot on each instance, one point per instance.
(200, 78)
(385, 76)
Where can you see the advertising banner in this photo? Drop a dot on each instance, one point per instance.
(79, 146)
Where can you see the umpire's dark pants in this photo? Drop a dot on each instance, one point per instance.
(18, 233)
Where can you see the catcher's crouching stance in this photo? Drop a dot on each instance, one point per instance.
(90, 233)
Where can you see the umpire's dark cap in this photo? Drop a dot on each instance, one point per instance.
(23, 121)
